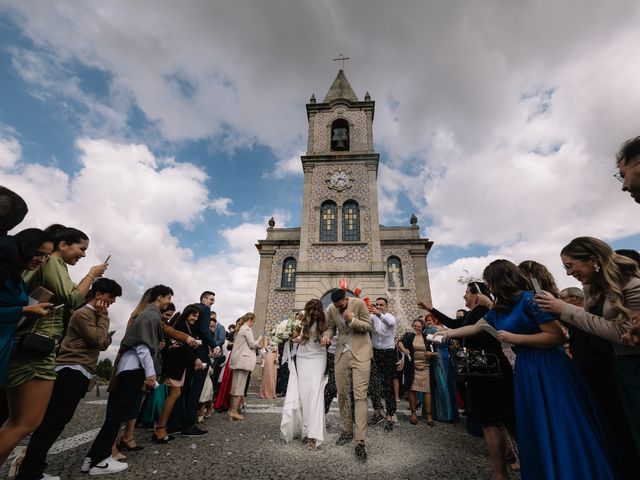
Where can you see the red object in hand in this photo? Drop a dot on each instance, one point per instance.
(357, 292)
(367, 301)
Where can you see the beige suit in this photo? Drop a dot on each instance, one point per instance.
(352, 362)
(243, 356)
(243, 359)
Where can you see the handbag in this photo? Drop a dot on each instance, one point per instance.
(474, 363)
(35, 344)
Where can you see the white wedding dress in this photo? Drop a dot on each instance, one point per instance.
(303, 410)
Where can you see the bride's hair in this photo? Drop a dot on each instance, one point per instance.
(313, 313)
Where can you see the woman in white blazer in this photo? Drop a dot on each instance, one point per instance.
(242, 361)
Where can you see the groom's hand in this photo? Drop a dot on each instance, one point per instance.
(348, 316)
(325, 340)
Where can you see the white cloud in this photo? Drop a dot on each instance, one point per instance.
(290, 166)
(499, 124)
(128, 215)
(221, 206)
(10, 152)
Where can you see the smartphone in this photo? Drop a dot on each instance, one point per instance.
(41, 295)
(536, 286)
(107, 260)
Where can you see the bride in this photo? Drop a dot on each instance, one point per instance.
(303, 410)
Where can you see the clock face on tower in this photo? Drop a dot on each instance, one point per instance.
(339, 180)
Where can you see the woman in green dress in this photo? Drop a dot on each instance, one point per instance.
(30, 377)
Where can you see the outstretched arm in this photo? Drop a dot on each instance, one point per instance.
(550, 336)
(467, 331)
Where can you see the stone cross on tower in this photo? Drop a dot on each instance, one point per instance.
(342, 59)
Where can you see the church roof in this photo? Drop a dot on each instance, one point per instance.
(340, 88)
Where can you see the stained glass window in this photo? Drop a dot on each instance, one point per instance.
(328, 222)
(288, 273)
(394, 272)
(350, 221)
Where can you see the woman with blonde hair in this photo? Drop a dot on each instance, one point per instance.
(553, 444)
(612, 295)
(269, 368)
(243, 361)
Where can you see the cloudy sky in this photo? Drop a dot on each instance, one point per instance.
(171, 131)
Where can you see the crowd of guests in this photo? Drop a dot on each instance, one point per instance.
(564, 402)
(566, 399)
(166, 371)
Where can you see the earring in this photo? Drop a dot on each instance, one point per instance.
(596, 267)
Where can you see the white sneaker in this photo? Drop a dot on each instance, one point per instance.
(46, 476)
(396, 423)
(108, 465)
(86, 465)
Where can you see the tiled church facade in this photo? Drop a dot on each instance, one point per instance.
(340, 236)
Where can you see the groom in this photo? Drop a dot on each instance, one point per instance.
(350, 318)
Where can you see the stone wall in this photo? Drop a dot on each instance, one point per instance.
(281, 301)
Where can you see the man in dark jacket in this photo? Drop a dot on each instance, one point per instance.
(194, 379)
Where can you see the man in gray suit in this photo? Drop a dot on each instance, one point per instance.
(349, 318)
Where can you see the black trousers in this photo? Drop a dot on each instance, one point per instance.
(119, 406)
(383, 371)
(330, 390)
(194, 381)
(68, 389)
(217, 367)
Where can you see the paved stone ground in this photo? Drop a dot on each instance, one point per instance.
(252, 449)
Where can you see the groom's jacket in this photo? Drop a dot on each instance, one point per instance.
(356, 334)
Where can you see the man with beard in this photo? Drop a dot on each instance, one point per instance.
(349, 319)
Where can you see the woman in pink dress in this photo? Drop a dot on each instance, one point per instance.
(269, 368)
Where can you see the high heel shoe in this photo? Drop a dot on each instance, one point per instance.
(429, 420)
(124, 445)
(413, 420)
(165, 439)
(234, 415)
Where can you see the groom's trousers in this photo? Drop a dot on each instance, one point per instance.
(351, 373)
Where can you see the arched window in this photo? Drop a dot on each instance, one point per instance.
(350, 221)
(340, 135)
(288, 273)
(394, 272)
(328, 222)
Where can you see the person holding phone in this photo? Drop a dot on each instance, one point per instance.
(34, 246)
(30, 375)
(552, 442)
(86, 337)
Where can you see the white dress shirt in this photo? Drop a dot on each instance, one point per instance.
(384, 329)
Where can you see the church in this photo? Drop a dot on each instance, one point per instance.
(340, 241)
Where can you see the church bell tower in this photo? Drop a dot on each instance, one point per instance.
(340, 237)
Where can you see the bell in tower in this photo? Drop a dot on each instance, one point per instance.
(340, 135)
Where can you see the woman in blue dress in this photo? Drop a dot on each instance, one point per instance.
(33, 246)
(445, 408)
(559, 433)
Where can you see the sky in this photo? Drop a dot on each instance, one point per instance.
(170, 132)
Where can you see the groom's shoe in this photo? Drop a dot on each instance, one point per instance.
(344, 438)
(361, 453)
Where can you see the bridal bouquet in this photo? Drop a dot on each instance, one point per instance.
(283, 331)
